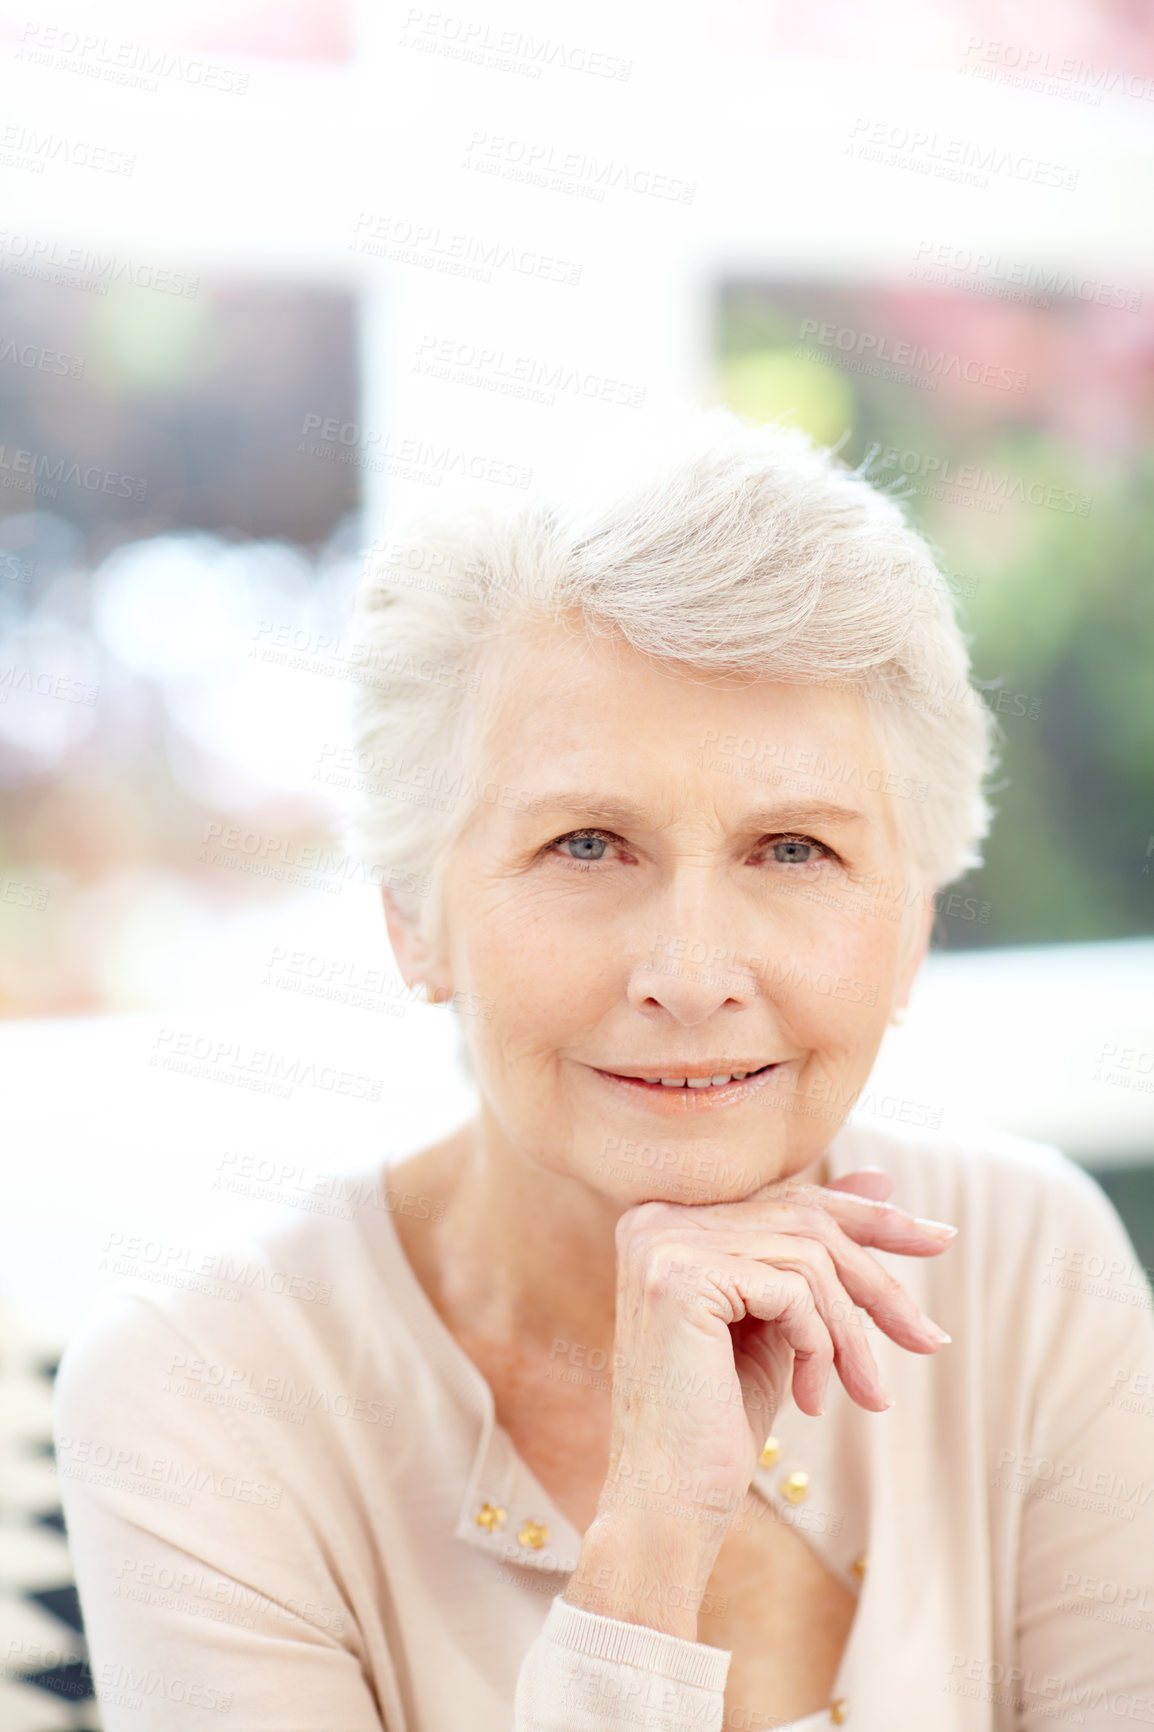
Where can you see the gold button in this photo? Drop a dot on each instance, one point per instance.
(770, 1453)
(858, 1568)
(795, 1487)
(490, 1517)
(533, 1535)
(839, 1711)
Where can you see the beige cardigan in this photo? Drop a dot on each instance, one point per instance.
(283, 1481)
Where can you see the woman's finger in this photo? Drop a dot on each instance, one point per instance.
(868, 1220)
(869, 1286)
(882, 1225)
(852, 1357)
(786, 1304)
(872, 1182)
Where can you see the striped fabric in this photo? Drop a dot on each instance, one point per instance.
(45, 1682)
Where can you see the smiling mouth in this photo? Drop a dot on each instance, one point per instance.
(705, 1084)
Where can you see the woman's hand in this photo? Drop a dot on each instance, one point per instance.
(721, 1309)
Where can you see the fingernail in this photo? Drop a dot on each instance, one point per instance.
(941, 1228)
(931, 1328)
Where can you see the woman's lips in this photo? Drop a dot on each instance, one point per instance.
(657, 1098)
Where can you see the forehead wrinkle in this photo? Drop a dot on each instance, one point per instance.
(594, 804)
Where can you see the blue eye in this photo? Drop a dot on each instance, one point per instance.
(791, 844)
(588, 844)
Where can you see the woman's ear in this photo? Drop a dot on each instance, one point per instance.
(419, 963)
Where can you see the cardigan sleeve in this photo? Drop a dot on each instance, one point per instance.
(205, 1593)
(206, 1601)
(588, 1673)
(1086, 1579)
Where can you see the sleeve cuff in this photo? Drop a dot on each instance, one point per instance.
(652, 1651)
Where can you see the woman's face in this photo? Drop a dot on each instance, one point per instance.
(671, 879)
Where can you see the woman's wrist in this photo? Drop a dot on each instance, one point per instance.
(644, 1572)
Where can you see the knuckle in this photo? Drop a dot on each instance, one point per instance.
(782, 1288)
(889, 1284)
(639, 1219)
(662, 1261)
(822, 1262)
(793, 1288)
(820, 1349)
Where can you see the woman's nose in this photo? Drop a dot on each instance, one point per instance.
(691, 982)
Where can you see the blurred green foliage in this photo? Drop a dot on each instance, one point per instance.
(1053, 587)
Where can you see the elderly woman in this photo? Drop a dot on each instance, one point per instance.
(658, 1394)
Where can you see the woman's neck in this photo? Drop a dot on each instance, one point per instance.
(510, 1254)
(519, 1257)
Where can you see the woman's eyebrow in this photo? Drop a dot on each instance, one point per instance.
(788, 814)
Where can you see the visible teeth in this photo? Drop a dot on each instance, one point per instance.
(696, 1082)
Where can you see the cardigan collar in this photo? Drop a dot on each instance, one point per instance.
(506, 1512)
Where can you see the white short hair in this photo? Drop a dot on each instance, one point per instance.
(742, 550)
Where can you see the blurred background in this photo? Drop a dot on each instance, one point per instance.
(270, 273)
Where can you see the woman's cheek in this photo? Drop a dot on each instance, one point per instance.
(845, 966)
